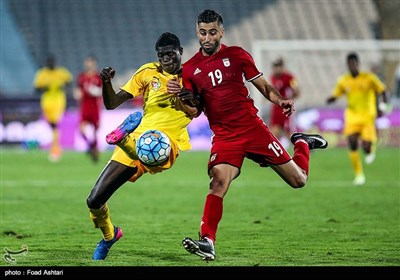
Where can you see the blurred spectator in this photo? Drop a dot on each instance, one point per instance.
(88, 95)
(50, 81)
(285, 82)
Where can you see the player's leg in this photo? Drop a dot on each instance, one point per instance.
(53, 110)
(94, 149)
(121, 135)
(295, 172)
(369, 139)
(125, 128)
(113, 176)
(55, 148)
(355, 159)
(84, 131)
(221, 176)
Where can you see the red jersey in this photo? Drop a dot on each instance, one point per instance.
(220, 81)
(284, 84)
(91, 99)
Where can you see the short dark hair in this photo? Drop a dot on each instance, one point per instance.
(352, 55)
(278, 62)
(208, 16)
(167, 39)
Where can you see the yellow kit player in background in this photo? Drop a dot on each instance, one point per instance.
(161, 111)
(363, 91)
(51, 81)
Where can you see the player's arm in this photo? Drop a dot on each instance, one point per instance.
(337, 91)
(383, 106)
(190, 102)
(77, 93)
(39, 83)
(295, 88)
(111, 99)
(273, 95)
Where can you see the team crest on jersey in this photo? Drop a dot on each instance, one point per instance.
(226, 62)
(213, 157)
(155, 84)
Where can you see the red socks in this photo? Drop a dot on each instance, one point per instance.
(302, 155)
(212, 215)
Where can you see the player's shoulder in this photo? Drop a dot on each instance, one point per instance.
(288, 74)
(194, 59)
(63, 69)
(369, 75)
(344, 77)
(236, 51)
(234, 48)
(150, 65)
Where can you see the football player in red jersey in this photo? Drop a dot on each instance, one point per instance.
(283, 126)
(88, 95)
(215, 75)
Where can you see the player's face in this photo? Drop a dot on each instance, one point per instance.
(90, 64)
(209, 35)
(353, 66)
(170, 58)
(277, 69)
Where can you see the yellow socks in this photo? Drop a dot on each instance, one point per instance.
(101, 219)
(356, 162)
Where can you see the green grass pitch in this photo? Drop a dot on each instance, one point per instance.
(329, 222)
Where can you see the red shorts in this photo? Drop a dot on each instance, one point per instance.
(91, 117)
(279, 119)
(258, 144)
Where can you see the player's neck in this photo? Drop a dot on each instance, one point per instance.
(354, 74)
(216, 51)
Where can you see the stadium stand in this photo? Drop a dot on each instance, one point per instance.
(122, 33)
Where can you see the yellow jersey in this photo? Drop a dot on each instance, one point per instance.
(54, 80)
(360, 92)
(161, 110)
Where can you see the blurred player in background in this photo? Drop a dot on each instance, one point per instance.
(283, 126)
(361, 90)
(216, 74)
(161, 110)
(50, 81)
(88, 94)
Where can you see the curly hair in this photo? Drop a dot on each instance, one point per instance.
(167, 39)
(208, 16)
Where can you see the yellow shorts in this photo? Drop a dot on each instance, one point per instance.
(366, 130)
(120, 156)
(53, 107)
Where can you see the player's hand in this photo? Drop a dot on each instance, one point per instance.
(187, 95)
(384, 109)
(288, 107)
(174, 86)
(330, 100)
(106, 74)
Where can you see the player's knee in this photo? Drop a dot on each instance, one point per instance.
(217, 187)
(298, 181)
(92, 203)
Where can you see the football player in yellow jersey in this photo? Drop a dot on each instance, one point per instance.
(161, 110)
(364, 91)
(50, 81)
